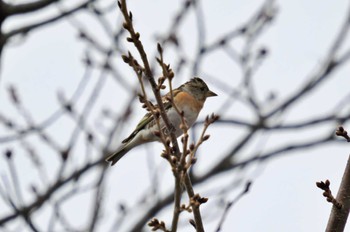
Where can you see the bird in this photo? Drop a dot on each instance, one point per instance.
(189, 99)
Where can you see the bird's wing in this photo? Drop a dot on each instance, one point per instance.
(144, 121)
(148, 119)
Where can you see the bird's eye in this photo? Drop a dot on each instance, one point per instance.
(202, 88)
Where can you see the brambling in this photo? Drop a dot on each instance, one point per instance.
(189, 98)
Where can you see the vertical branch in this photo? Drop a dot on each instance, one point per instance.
(177, 166)
(177, 203)
(339, 216)
(195, 207)
(135, 39)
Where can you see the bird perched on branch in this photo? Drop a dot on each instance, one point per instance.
(189, 98)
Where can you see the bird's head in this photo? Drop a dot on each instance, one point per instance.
(198, 88)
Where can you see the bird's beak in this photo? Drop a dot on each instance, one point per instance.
(211, 94)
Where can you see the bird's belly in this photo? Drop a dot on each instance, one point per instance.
(175, 119)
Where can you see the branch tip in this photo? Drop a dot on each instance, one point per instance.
(328, 193)
(341, 132)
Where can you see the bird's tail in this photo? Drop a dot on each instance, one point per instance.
(114, 157)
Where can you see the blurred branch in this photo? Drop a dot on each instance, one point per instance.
(4, 37)
(26, 29)
(330, 64)
(172, 34)
(13, 9)
(283, 126)
(25, 211)
(14, 177)
(151, 211)
(58, 214)
(231, 203)
(19, 133)
(258, 157)
(98, 199)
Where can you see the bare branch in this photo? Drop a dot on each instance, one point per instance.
(341, 206)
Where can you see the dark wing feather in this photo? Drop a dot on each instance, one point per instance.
(148, 119)
(144, 121)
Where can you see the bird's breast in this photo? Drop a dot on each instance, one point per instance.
(185, 101)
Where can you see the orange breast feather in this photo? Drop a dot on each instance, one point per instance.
(184, 99)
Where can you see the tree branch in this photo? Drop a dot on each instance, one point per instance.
(339, 216)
